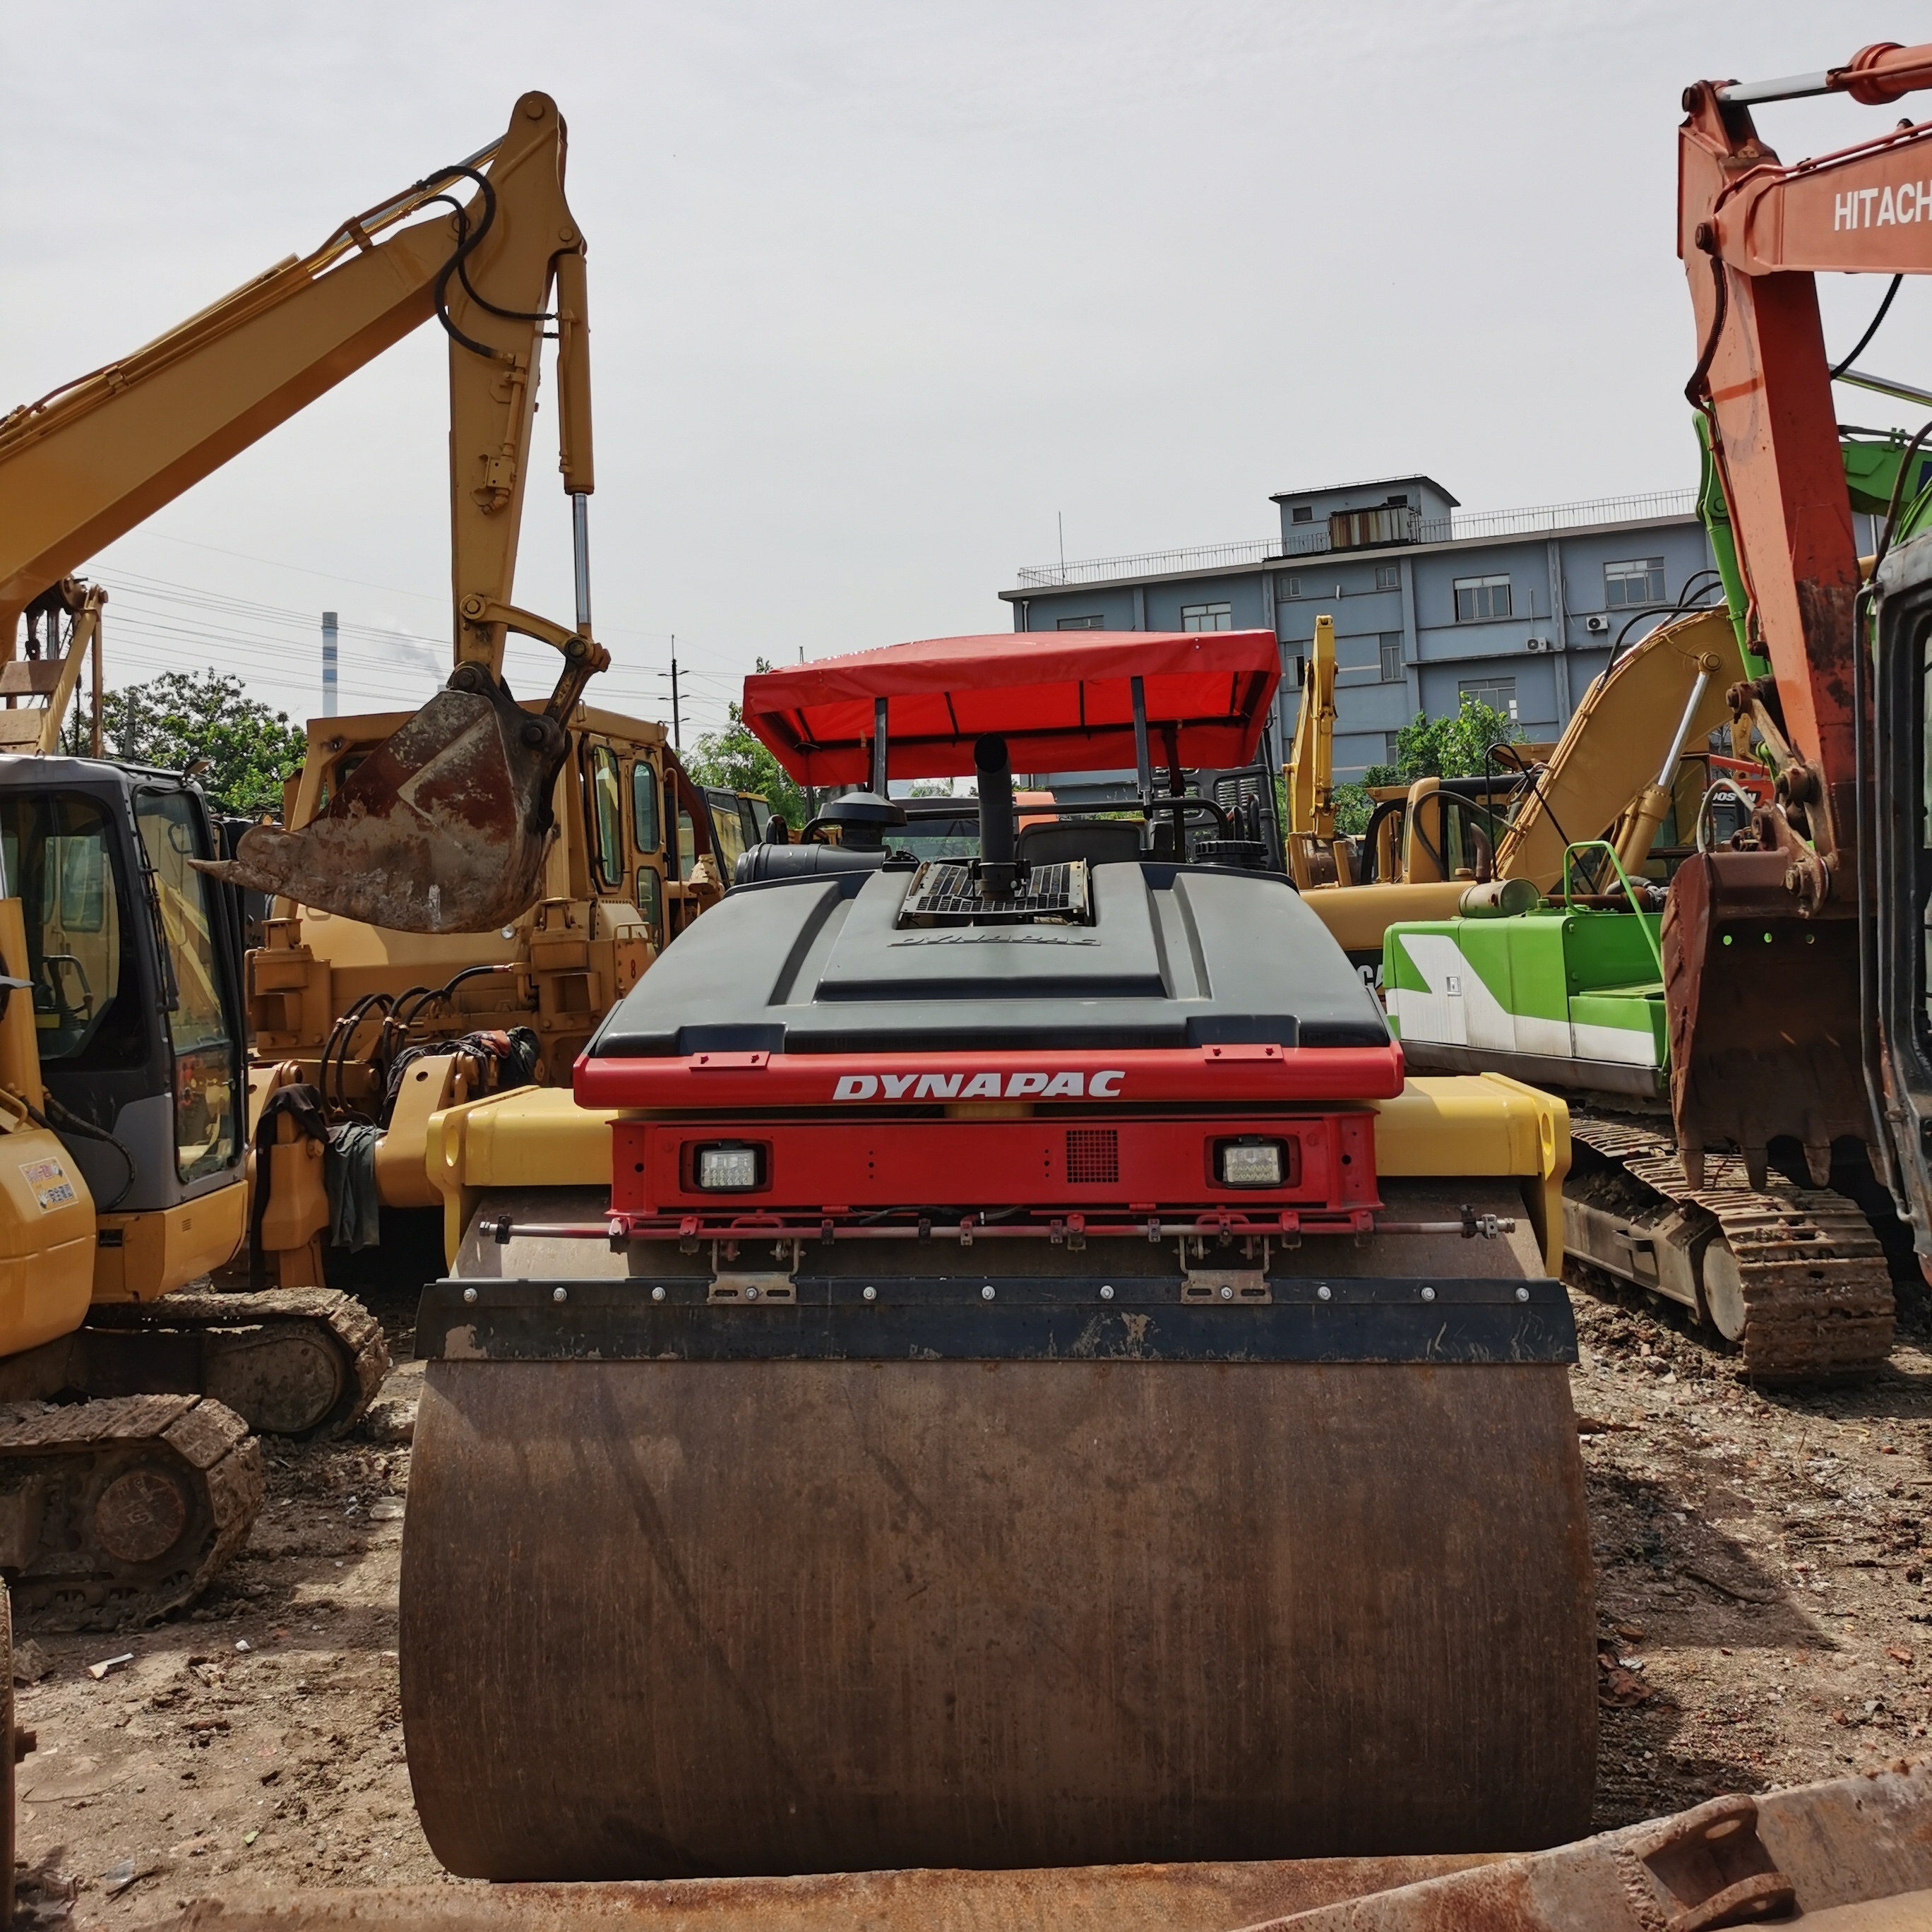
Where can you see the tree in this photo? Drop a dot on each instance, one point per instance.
(182, 718)
(736, 759)
(1426, 747)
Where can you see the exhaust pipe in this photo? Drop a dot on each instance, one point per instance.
(997, 868)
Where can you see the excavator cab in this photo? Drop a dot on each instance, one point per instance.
(133, 971)
(1895, 913)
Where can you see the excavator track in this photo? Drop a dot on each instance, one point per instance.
(303, 1362)
(1796, 1271)
(117, 1511)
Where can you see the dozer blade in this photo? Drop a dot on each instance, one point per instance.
(1762, 1005)
(929, 1567)
(443, 828)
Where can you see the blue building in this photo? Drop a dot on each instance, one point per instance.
(1520, 608)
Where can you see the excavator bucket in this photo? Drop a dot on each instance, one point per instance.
(443, 828)
(1763, 1016)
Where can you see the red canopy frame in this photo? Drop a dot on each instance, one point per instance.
(1063, 702)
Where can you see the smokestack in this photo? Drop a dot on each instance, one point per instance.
(995, 774)
(329, 664)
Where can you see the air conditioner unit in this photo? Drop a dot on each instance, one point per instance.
(1597, 625)
(1542, 643)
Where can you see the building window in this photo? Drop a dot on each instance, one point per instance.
(1392, 747)
(1627, 587)
(1399, 502)
(1302, 513)
(1207, 616)
(1287, 586)
(1388, 577)
(1391, 654)
(1082, 623)
(1479, 599)
(1497, 693)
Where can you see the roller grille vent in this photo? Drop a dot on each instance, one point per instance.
(1092, 1154)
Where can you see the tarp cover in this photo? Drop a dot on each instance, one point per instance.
(1062, 701)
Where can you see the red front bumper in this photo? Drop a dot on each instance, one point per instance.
(1119, 1143)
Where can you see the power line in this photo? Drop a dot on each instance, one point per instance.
(362, 582)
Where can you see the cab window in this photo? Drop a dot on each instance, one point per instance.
(59, 856)
(650, 902)
(727, 828)
(644, 807)
(205, 1058)
(607, 814)
(687, 843)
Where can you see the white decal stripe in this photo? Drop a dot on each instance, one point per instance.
(1627, 1046)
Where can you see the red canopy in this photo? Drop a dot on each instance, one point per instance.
(1063, 701)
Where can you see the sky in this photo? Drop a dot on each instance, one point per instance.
(883, 295)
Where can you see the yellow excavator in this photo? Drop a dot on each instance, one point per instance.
(122, 1178)
(134, 1123)
(1633, 762)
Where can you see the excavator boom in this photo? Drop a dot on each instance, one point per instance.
(1777, 1048)
(444, 830)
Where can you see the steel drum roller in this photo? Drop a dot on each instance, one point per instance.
(671, 1617)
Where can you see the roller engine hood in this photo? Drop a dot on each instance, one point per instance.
(1163, 956)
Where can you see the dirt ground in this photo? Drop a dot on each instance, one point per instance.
(1765, 1614)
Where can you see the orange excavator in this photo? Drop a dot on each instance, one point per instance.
(1795, 956)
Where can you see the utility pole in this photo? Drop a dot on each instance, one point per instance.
(1060, 518)
(329, 664)
(677, 734)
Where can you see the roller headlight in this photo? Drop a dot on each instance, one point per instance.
(727, 1170)
(1250, 1163)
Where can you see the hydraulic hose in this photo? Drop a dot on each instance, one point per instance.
(1864, 341)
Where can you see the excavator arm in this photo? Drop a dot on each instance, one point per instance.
(1753, 235)
(1763, 946)
(1310, 774)
(445, 828)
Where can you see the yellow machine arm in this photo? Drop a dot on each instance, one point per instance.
(1615, 763)
(86, 463)
(1611, 771)
(1311, 761)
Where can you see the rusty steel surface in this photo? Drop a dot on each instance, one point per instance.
(1855, 1855)
(1852, 1855)
(662, 1619)
(442, 828)
(1763, 1013)
(1120, 1898)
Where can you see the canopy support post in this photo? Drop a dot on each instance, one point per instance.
(1143, 764)
(879, 746)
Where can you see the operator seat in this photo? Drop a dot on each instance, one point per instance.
(1100, 841)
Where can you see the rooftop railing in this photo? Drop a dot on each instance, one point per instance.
(1314, 539)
